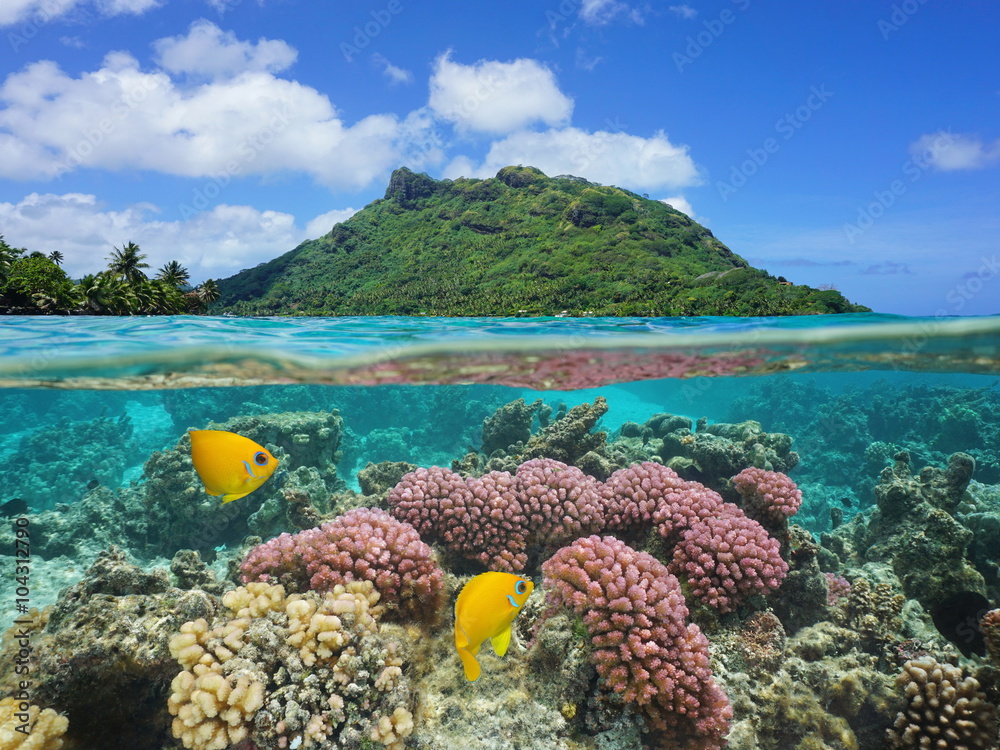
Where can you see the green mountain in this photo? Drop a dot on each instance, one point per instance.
(520, 243)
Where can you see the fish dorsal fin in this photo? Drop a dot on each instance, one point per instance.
(501, 641)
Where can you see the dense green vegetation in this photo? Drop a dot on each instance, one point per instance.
(35, 284)
(517, 244)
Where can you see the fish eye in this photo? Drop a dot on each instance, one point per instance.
(260, 458)
(520, 587)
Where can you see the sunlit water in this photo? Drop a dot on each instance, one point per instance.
(85, 403)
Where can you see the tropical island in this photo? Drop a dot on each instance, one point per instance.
(33, 283)
(517, 244)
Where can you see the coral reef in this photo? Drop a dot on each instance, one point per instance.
(713, 453)
(944, 709)
(510, 425)
(728, 557)
(497, 518)
(24, 726)
(914, 530)
(102, 658)
(768, 496)
(990, 627)
(48, 473)
(364, 544)
(299, 670)
(644, 649)
(180, 514)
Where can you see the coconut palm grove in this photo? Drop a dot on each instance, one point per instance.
(33, 283)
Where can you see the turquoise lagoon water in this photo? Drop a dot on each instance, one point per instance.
(86, 402)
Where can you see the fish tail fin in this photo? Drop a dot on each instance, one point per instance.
(470, 664)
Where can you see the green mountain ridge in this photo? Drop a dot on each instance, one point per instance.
(520, 243)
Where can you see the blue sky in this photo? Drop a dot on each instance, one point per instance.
(854, 144)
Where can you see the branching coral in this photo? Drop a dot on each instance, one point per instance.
(24, 726)
(364, 544)
(768, 495)
(289, 670)
(726, 558)
(644, 649)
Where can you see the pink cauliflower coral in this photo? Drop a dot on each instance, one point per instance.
(560, 502)
(727, 557)
(365, 544)
(434, 502)
(497, 517)
(768, 495)
(645, 651)
(651, 492)
(498, 527)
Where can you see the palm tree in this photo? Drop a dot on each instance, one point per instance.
(56, 257)
(174, 273)
(127, 263)
(208, 292)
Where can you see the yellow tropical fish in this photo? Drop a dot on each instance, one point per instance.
(229, 464)
(485, 608)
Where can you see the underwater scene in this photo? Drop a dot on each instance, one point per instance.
(562, 534)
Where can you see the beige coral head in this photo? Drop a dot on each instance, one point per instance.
(45, 727)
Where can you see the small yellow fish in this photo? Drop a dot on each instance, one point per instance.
(485, 608)
(229, 464)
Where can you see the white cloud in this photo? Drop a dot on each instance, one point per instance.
(497, 97)
(392, 72)
(600, 12)
(684, 11)
(324, 222)
(211, 244)
(121, 117)
(608, 158)
(207, 50)
(949, 152)
(681, 204)
(35, 13)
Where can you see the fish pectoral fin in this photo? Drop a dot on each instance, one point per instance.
(469, 663)
(501, 641)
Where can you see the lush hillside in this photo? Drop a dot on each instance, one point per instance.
(519, 243)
